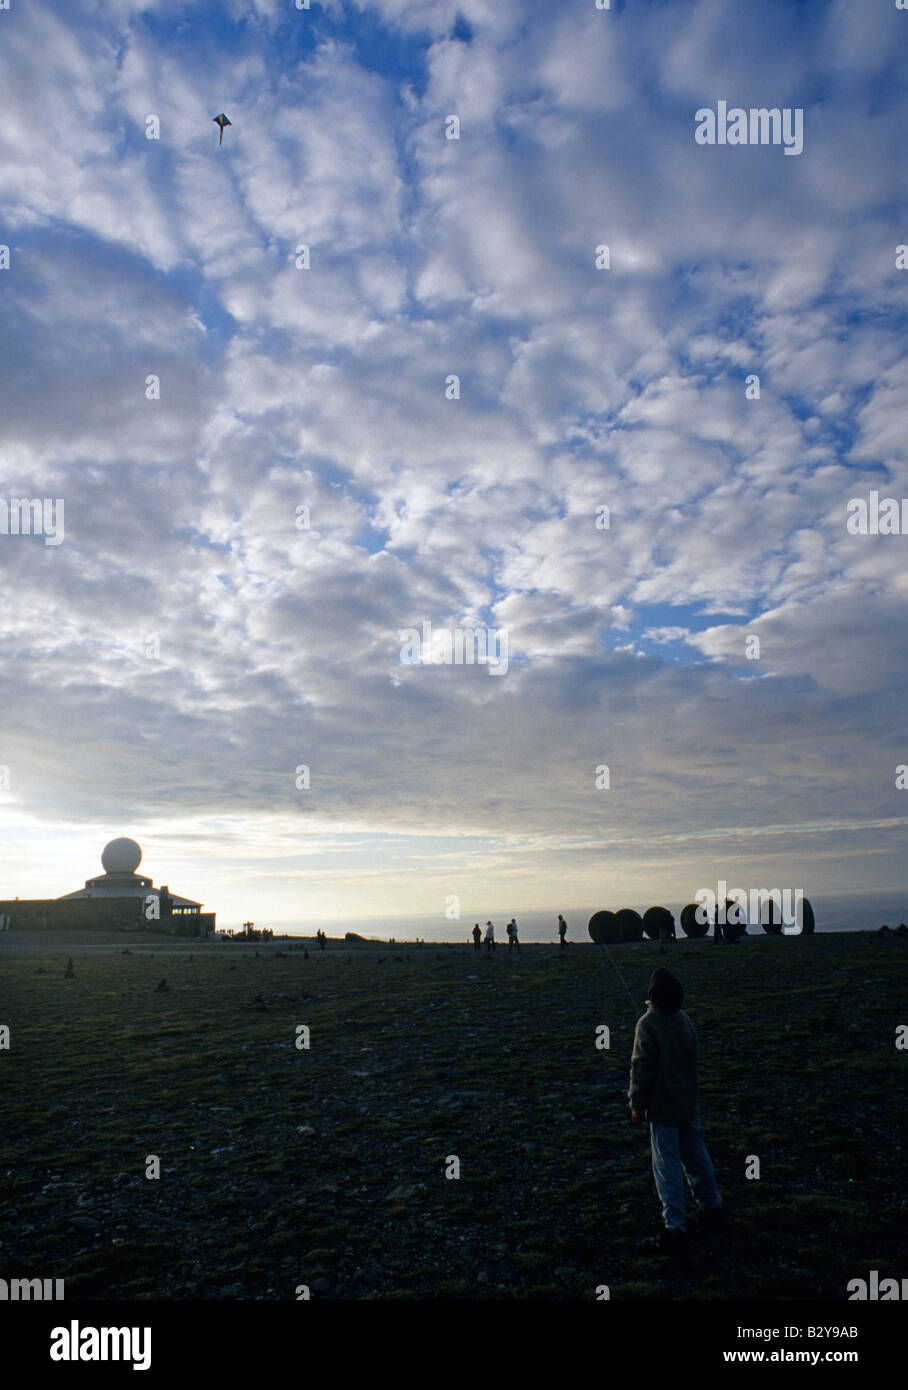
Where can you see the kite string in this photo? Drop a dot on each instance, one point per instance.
(618, 973)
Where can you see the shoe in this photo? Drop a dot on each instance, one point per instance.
(669, 1241)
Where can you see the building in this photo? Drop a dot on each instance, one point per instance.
(119, 898)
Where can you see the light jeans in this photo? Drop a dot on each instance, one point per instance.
(679, 1152)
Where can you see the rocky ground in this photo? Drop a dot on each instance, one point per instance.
(326, 1166)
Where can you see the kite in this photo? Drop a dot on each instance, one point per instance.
(221, 121)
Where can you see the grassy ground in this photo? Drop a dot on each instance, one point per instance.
(326, 1166)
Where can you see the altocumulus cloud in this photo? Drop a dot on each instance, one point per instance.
(580, 387)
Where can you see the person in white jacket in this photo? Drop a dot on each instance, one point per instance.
(489, 937)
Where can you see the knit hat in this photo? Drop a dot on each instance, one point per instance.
(665, 991)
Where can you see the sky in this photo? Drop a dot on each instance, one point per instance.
(174, 372)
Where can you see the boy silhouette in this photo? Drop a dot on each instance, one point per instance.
(663, 1090)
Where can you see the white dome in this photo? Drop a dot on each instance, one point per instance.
(121, 856)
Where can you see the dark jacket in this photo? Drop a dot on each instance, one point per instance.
(664, 1067)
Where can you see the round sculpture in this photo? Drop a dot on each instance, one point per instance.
(804, 918)
(603, 928)
(630, 924)
(771, 918)
(122, 856)
(657, 920)
(690, 924)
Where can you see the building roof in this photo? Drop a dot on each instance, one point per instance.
(113, 886)
(121, 857)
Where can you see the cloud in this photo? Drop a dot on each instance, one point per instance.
(579, 389)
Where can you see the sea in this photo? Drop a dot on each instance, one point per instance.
(833, 912)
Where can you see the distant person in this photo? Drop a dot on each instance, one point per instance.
(735, 921)
(513, 939)
(562, 929)
(490, 937)
(663, 1090)
(321, 939)
(477, 937)
(718, 934)
(666, 930)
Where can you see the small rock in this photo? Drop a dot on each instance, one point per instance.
(85, 1223)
